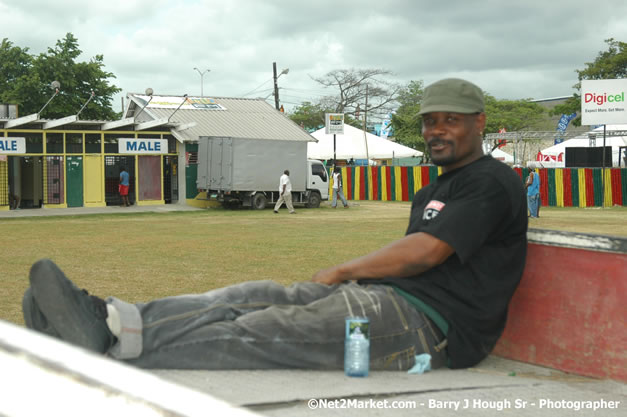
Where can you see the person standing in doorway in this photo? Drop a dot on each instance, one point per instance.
(14, 201)
(124, 184)
(337, 188)
(533, 194)
(285, 193)
(14, 198)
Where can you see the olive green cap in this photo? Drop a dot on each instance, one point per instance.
(452, 95)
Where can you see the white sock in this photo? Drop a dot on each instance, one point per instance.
(113, 320)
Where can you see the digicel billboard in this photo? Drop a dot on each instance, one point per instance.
(603, 102)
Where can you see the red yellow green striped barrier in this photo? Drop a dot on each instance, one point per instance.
(560, 187)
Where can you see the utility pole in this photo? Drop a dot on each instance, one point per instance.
(365, 124)
(603, 169)
(276, 87)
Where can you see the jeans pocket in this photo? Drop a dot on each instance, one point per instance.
(396, 361)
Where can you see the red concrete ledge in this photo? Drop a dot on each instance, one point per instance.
(570, 309)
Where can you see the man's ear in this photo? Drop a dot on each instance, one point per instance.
(481, 120)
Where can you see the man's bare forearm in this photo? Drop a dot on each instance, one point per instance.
(409, 256)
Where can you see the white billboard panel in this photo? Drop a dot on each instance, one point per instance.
(334, 123)
(603, 102)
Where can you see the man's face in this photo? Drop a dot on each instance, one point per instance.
(453, 139)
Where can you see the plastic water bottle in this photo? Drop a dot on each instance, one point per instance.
(357, 347)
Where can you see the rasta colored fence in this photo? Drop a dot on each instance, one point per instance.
(581, 187)
(560, 187)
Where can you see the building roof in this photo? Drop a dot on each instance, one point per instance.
(33, 121)
(220, 117)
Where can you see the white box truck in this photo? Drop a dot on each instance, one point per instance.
(246, 172)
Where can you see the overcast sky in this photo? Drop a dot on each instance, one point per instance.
(511, 49)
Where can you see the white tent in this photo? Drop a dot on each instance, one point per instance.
(498, 154)
(555, 156)
(352, 145)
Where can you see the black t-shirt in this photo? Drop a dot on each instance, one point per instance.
(480, 210)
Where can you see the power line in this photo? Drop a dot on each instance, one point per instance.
(305, 98)
(303, 89)
(308, 93)
(256, 88)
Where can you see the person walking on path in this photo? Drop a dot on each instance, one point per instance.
(124, 184)
(533, 194)
(337, 188)
(285, 193)
(442, 289)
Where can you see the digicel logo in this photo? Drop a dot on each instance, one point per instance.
(600, 99)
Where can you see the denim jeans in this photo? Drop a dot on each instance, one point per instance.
(533, 203)
(264, 325)
(336, 192)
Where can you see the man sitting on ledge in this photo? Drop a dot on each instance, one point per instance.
(443, 289)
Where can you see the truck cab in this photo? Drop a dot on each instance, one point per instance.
(317, 183)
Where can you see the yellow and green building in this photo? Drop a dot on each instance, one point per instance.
(70, 162)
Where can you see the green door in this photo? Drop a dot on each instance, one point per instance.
(74, 168)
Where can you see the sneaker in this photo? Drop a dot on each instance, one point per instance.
(34, 318)
(78, 318)
(276, 212)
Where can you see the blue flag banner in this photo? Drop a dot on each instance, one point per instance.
(562, 125)
(564, 121)
(386, 126)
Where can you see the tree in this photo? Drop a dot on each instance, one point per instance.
(405, 121)
(511, 115)
(354, 85)
(27, 81)
(309, 116)
(16, 78)
(610, 64)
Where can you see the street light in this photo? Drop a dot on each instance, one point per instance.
(56, 86)
(202, 74)
(276, 86)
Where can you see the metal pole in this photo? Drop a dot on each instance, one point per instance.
(365, 127)
(334, 156)
(202, 76)
(276, 87)
(603, 171)
(91, 95)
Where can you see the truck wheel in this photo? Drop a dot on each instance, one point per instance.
(259, 201)
(314, 200)
(232, 204)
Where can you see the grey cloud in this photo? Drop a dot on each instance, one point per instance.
(512, 49)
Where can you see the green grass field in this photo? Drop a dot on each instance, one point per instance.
(138, 257)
